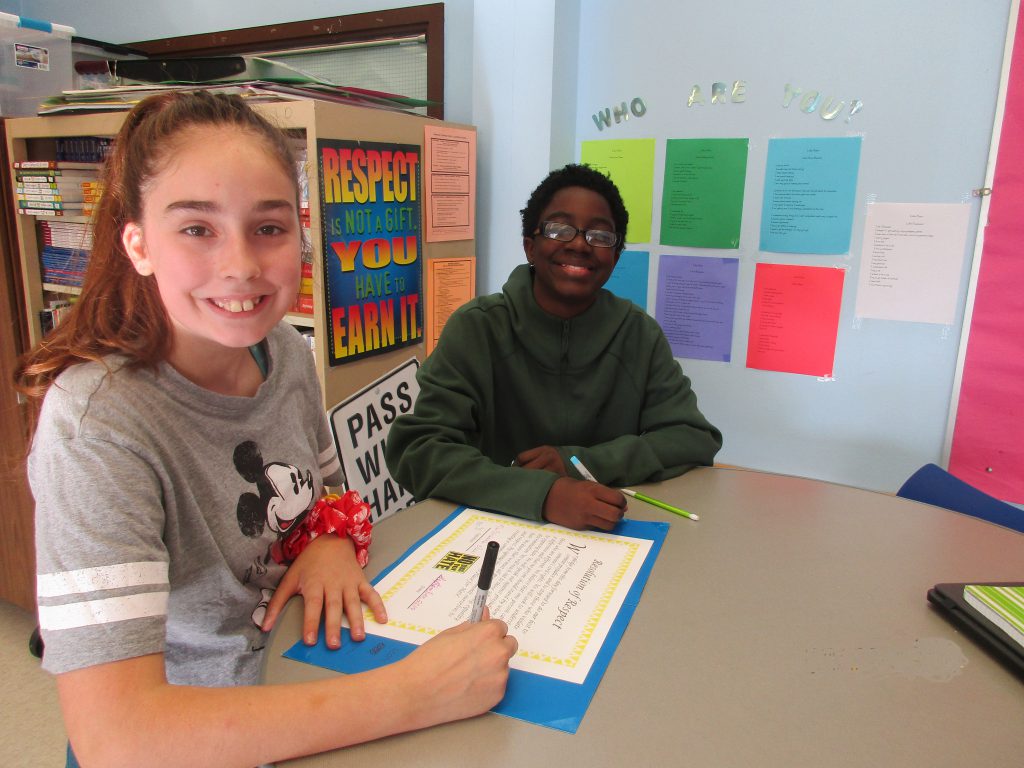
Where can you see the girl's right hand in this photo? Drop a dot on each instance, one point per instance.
(462, 671)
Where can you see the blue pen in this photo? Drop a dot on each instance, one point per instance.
(582, 470)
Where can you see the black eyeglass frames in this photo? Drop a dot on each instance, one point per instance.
(559, 230)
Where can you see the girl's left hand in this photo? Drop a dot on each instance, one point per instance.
(330, 581)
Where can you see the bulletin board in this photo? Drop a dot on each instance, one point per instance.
(914, 85)
(987, 449)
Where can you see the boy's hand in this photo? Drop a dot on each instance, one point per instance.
(542, 457)
(581, 504)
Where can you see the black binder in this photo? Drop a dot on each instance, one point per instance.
(194, 70)
(949, 600)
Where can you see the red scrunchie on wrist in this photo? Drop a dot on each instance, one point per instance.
(345, 515)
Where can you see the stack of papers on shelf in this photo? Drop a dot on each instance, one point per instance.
(253, 78)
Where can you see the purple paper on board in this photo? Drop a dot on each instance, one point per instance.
(696, 305)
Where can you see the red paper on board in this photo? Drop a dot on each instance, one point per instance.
(794, 318)
(988, 436)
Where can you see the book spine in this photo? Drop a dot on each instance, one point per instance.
(40, 212)
(51, 198)
(55, 204)
(303, 304)
(57, 165)
(48, 186)
(51, 175)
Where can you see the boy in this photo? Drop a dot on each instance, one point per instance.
(551, 367)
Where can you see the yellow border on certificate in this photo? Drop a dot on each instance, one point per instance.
(632, 547)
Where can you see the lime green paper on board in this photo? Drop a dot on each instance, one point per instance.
(702, 200)
(630, 164)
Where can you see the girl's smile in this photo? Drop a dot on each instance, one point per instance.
(234, 306)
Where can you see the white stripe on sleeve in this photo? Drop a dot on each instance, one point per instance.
(329, 462)
(105, 611)
(101, 578)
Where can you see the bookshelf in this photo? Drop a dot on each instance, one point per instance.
(33, 138)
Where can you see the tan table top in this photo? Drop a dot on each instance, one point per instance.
(788, 627)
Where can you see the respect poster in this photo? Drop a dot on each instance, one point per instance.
(370, 208)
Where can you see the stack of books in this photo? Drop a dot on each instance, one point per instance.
(66, 246)
(57, 187)
(304, 301)
(83, 149)
(54, 314)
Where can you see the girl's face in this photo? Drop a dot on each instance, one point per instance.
(220, 233)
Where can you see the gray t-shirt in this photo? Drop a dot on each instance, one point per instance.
(158, 504)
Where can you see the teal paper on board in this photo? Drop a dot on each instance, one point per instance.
(809, 193)
(534, 698)
(629, 278)
(702, 199)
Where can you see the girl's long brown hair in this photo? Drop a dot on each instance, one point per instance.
(120, 311)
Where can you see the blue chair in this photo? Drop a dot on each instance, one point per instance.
(933, 485)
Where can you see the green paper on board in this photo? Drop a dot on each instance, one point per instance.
(702, 199)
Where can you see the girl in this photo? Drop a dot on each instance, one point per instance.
(180, 441)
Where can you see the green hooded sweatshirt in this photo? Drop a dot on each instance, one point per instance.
(506, 377)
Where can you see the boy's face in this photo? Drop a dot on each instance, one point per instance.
(568, 275)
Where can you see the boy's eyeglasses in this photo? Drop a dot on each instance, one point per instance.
(559, 230)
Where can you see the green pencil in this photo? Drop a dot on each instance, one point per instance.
(659, 504)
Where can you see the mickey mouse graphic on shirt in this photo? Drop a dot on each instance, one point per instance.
(285, 495)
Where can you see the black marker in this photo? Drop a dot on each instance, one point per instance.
(484, 584)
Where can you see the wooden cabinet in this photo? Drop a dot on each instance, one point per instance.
(17, 551)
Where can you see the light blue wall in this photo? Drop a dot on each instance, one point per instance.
(927, 73)
(531, 73)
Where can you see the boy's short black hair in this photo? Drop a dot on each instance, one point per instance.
(574, 175)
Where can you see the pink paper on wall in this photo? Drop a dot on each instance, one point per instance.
(988, 437)
(794, 318)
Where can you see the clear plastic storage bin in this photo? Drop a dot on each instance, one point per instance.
(35, 63)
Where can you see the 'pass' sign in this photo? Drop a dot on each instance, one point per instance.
(361, 425)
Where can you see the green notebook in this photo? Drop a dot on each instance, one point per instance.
(1002, 605)
(993, 614)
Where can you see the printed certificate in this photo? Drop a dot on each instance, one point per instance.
(566, 595)
(558, 590)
